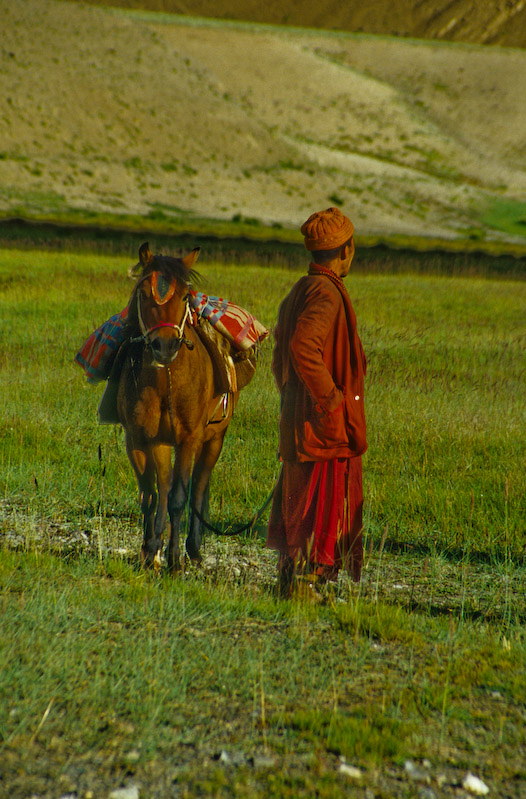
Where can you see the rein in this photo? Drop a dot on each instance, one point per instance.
(245, 527)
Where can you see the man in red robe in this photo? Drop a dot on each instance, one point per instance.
(319, 367)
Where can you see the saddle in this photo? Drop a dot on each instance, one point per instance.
(233, 369)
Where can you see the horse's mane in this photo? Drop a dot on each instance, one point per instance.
(171, 268)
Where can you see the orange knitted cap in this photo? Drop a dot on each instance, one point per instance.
(326, 230)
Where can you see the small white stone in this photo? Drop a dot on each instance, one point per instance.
(130, 792)
(474, 785)
(352, 772)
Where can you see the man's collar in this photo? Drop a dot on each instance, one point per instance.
(315, 268)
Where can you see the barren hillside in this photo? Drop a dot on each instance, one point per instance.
(147, 114)
(500, 22)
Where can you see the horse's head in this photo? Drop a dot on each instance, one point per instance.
(161, 298)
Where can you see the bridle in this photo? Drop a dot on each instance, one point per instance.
(146, 331)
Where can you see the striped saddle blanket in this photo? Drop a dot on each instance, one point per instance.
(238, 326)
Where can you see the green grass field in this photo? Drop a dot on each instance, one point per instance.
(207, 685)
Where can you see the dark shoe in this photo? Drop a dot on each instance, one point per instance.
(327, 574)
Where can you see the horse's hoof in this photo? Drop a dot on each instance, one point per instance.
(151, 561)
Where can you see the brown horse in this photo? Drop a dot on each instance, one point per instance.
(166, 401)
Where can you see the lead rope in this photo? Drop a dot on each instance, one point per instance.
(170, 403)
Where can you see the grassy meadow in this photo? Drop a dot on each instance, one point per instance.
(207, 684)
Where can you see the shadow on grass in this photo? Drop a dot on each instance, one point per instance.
(454, 554)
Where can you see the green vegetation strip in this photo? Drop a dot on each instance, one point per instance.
(19, 227)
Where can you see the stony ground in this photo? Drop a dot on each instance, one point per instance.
(434, 583)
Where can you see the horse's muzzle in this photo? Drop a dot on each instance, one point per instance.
(165, 350)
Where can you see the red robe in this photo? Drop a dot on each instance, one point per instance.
(319, 368)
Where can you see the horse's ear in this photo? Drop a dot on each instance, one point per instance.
(145, 256)
(190, 259)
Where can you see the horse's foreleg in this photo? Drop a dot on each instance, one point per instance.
(198, 513)
(162, 456)
(144, 467)
(179, 497)
(176, 505)
(200, 495)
